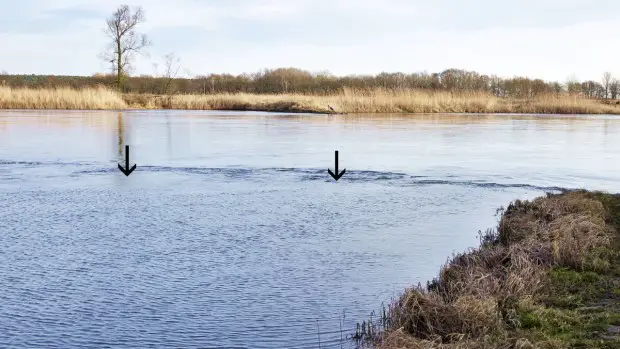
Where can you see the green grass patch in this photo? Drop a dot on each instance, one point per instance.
(572, 289)
(566, 327)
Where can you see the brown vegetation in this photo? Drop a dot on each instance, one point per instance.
(546, 278)
(295, 90)
(297, 81)
(60, 98)
(346, 101)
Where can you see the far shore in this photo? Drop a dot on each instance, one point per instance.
(346, 101)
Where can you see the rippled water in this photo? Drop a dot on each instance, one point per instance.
(230, 233)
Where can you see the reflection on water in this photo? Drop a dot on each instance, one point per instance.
(120, 130)
(230, 233)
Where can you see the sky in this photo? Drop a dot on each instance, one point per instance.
(548, 39)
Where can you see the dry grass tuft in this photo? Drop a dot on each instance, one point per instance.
(568, 231)
(399, 339)
(60, 98)
(477, 298)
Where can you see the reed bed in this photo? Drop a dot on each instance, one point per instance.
(383, 101)
(239, 101)
(505, 294)
(347, 101)
(60, 98)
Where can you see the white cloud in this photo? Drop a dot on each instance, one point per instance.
(265, 10)
(550, 39)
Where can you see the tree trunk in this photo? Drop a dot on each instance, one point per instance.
(119, 65)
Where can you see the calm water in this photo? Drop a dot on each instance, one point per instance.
(230, 233)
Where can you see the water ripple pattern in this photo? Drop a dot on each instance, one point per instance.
(231, 234)
(302, 174)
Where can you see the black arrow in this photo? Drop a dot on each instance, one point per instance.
(130, 170)
(338, 175)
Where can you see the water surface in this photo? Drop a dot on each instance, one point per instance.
(230, 233)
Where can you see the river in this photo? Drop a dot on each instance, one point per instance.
(230, 233)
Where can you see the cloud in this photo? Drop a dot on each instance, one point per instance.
(543, 38)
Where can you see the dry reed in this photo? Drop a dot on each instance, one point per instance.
(388, 101)
(347, 101)
(60, 98)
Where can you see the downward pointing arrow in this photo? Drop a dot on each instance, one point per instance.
(127, 171)
(337, 175)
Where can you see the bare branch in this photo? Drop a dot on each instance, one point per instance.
(171, 70)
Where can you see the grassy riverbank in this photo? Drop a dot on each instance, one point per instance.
(347, 101)
(547, 277)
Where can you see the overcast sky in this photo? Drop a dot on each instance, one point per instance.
(550, 39)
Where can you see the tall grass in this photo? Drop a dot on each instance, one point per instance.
(346, 101)
(60, 98)
(383, 101)
(240, 101)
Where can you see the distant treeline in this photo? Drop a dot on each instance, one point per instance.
(292, 80)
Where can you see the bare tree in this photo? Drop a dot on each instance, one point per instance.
(202, 78)
(172, 65)
(125, 41)
(573, 86)
(614, 88)
(606, 80)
